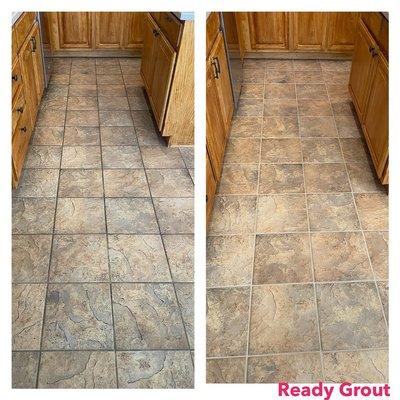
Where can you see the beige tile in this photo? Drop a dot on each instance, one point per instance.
(239, 179)
(52, 118)
(317, 127)
(378, 249)
(115, 118)
(383, 288)
(335, 65)
(347, 126)
(373, 211)
(306, 65)
(276, 107)
(170, 183)
(355, 150)
(108, 69)
(59, 79)
(161, 157)
(281, 151)
(250, 107)
(146, 130)
(282, 65)
(118, 135)
(338, 92)
(110, 79)
(80, 183)
(37, 183)
(125, 183)
(81, 136)
(342, 107)
(57, 90)
(187, 153)
(113, 103)
(54, 103)
(336, 77)
(242, 151)
(326, 178)
(121, 157)
(321, 150)
(363, 178)
(311, 91)
(253, 75)
(48, 136)
(280, 127)
(185, 294)
(43, 157)
(308, 77)
(280, 90)
(24, 369)
(111, 90)
(83, 90)
(279, 76)
(311, 107)
(226, 370)
(82, 103)
(82, 118)
(81, 157)
(82, 79)
(252, 91)
(281, 178)
(246, 127)
(254, 64)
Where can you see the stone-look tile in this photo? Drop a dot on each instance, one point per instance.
(83, 90)
(185, 294)
(311, 107)
(340, 256)
(81, 136)
(57, 90)
(191, 172)
(306, 65)
(121, 157)
(254, 64)
(281, 151)
(227, 321)
(54, 103)
(281, 178)
(30, 258)
(81, 103)
(80, 215)
(59, 79)
(250, 107)
(161, 157)
(294, 368)
(311, 91)
(279, 76)
(146, 130)
(335, 65)
(355, 150)
(33, 215)
(343, 309)
(108, 69)
(125, 183)
(233, 215)
(82, 118)
(336, 77)
(78, 317)
(77, 370)
(363, 178)
(49, 136)
(79, 258)
(115, 118)
(155, 369)
(43, 157)
(82, 78)
(229, 260)
(27, 313)
(118, 136)
(226, 370)
(321, 150)
(280, 90)
(111, 90)
(180, 253)
(49, 117)
(332, 212)
(110, 79)
(138, 102)
(252, 91)
(383, 288)
(283, 319)
(362, 366)
(187, 154)
(282, 258)
(283, 65)
(113, 103)
(137, 258)
(80, 183)
(317, 127)
(242, 150)
(338, 92)
(170, 183)
(246, 127)
(37, 183)
(342, 107)
(277, 107)
(135, 215)
(175, 215)
(81, 157)
(132, 79)
(324, 178)
(24, 369)
(373, 211)
(253, 75)
(347, 126)
(282, 213)
(147, 316)
(308, 77)
(378, 249)
(280, 127)
(239, 179)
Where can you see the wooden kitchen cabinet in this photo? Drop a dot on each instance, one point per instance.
(309, 31)
(211, 187)
(341, 31)
(109, 30)
(74, 30)
(133, 30)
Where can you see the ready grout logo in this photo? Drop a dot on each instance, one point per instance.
(323, 391)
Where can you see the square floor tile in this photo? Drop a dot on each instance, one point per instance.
(335, 65)
(227, 321)
(282, 213)
(343, 309)
(108, 69)
(79, 78)
(317, 127)
(283, 319)
(252, 91)
(109, 79)
(283, 65)
(185, 294)
(229, 260)
(161, 157)
(125, 183)
(138, 101)
(311, 107)
(383, 288)
(254, 64)
(279, 91)
(326, 178)
(111, 90)
(118, 136)
(115, 118)
(187, 154)
(57, 90)
(113, 103)
(131, 215)
(373, 211)
(24, 369)
(239, 179)
(37, 183)
(80, 183)
(82, 103)
(175, 215)
(280, 127)
(347, 126)
(59, 79)
(253, 75)
(147, 316)
(242, 151)
(308, 77)
(81, 136)
(340, 256)
(274, 107)
(277, 75)
(321, 150)
(81, 157)
(311, 91)
(43, 157)
(355, 150)
(146, 130)
(50, 118)
(121, 157)
(250, 107)
(79, 258)
(48, 136)
(226, 370)
(246, 127)
(281, 150)
(306, 65)
(363, 178)
(281, 178)
(378, 249)
(83, 90)
(282, 258)
(332, 212)
(27, 314)
(342, 107)
(82, 118)
(80, 215)
(30, 258)
(137, 258)
(170, 183)
(53, 103)
(338, 91)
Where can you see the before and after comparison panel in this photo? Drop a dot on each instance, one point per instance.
(295, 199)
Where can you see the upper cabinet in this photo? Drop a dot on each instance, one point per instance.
(74, 30)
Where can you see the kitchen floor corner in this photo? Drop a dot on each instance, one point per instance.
(297, 250)
(102, 239)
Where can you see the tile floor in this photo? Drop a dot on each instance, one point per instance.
(297, 251)
(102, 239)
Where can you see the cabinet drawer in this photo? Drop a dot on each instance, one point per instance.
(171, 26)
(212, 30)
(23, 26)
(18, 108)
(16, 77)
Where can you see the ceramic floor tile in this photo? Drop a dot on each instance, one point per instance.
(54, 103)
(187, 154)
(252, 91)
(342, 107)
(52, 118)
(146, 130)
(161, 157)
(59, 79)
(308, 77)
(277, 75)
(137, 258)
(338, 92)
(363, 178)
(336, 77)
(227, 321)
(185, 294)
(321, 150)
(326, 178)
(81, 157)
(81, 136)
(317, 127)
(121, 157)
(82, 118)
(170, 183)
(280, 90)
(113, 103)
(229, 260)
(80, 183)
(79, 78)
(378, 249)
(115, 118)
(111, 90)
(242, 151)
(147, 316)
(278, 107)
(125, 183)
(83, 90)
(306, 65)
(347, 126)
(343, 308)
(373, 211)
(281, 178)
(57, 90)
(48, 136)
(354, 150)
(108, 69)
(250, 107)
(226, 370)
(314, 108)
(43, 157)
(82, 103)
(118, 136)
(283, 65)
(239, 179)
(383, 288)
(281, 151)
(253, 64)
(335, 65)
(110, 79)
(37, 183)
(311, 91)
(280, 127)
(138, 101)
(24, 369)
(246, 127)
(253, 75)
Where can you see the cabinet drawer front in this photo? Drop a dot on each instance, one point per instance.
(16, 77)
(23, 26)
(171, 26)
(18, 109)
(20, 142)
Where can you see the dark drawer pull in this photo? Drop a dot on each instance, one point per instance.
(15, 78)
(155, 32)
(215, 64)
(206, 198)
(20, 109)
(33, 40)
(23, 129)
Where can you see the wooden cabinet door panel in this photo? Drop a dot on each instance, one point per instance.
(133, 35)
(308, 30)
(36, 47)
(147, 62)
(211, 187)
(269, 30)
(108, 30)
(341, 31)
(231, 30)
(75, 30)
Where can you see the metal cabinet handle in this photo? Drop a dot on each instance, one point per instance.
(20, 109)
(374, 53)
(34, 45)
(215, 64)
(206, 198)
(15, 78)
(218, 65)
(23, 129)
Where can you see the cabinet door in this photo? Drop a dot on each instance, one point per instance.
(109, 30)
(269, 30)
(75, 30)
(36, 47)
(147, 63)
(308, 31)
(361, 67)
(211, 187)
(341, 31)
(376, 116)
(133, 35)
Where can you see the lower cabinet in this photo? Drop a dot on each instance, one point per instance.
(211, 187)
